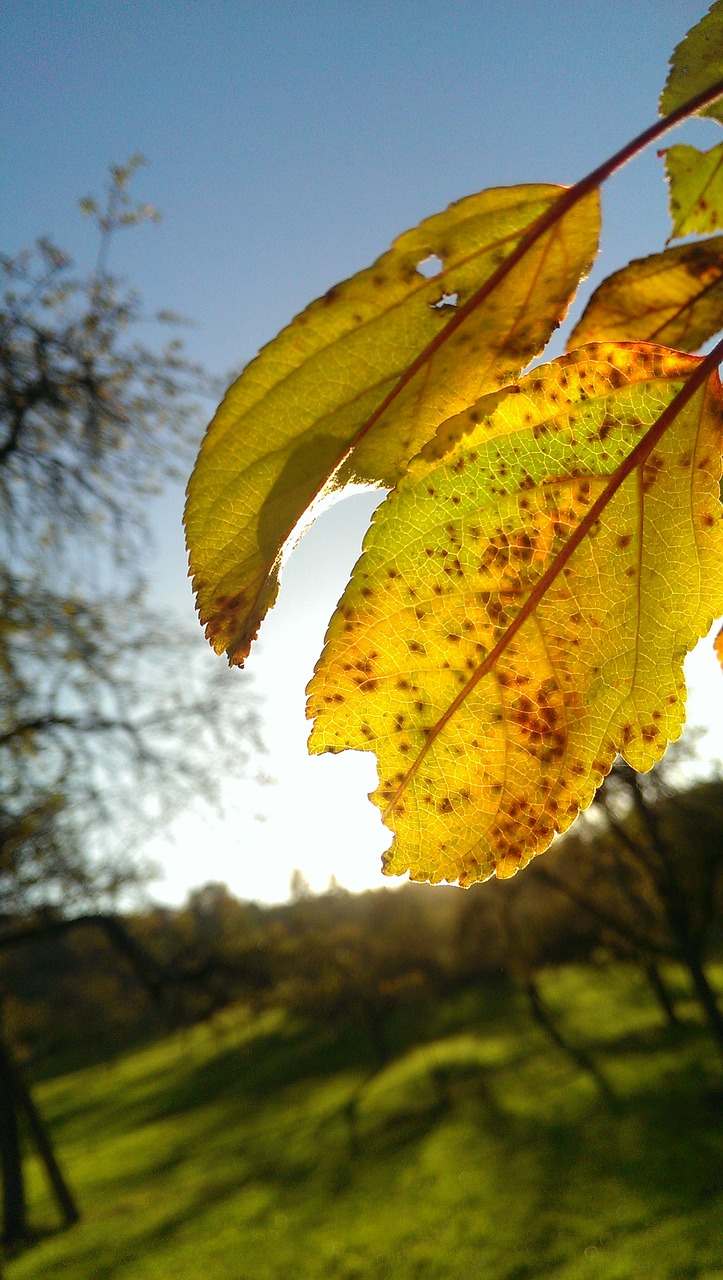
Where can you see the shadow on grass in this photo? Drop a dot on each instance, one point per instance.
(659, 1154)
(243, 1076)
(104, 1262)
(295, 1118)
(287, 1054)
(251, 1074)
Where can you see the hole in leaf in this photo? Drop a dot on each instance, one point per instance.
(430, 267)
(446, 300)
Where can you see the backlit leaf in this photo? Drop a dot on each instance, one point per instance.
(674, 298)
(695, 179)
(718, 646)
(495, 667)
(357, 383)
(697, 62)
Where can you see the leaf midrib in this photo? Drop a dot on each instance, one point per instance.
(635, 458)
(549, 219)
(321, 352)
(328, 416)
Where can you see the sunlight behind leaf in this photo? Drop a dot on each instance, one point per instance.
(449, 563)
(674, 298)
(695, 179)
(360, 380)
(696, 63)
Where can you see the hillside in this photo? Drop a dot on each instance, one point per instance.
(258, 1148)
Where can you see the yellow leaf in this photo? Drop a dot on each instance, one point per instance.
(697, 62)
(523, 605)
(695, 179)
(674, 298)
(357, 382)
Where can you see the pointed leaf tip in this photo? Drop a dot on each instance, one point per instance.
(695, 179)
(696, 64)
(674, 297)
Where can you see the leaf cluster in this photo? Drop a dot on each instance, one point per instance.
(551, 546)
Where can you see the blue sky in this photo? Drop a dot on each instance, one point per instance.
(287, 145)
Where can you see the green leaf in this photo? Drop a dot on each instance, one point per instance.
(695, 179)
(360, 380)
(674, 298)
(697, 62)
(523, 605)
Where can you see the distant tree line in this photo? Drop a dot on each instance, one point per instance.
(639, 880)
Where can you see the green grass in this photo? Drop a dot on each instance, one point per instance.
(231, 1152)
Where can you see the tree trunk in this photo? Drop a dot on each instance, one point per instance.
(660, 991)
(41, 1138)
(15, 1097)
(705, 993)
(675, 904)
(689, 949)
(15, 1218)
(582, 1060)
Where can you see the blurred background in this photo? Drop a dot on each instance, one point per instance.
(228, 1046)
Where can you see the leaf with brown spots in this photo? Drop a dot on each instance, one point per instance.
(695, 179)
(523, 605)
(696, 63)
(360, 380)
(674, 298)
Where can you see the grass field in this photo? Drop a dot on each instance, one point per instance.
(256, 1149)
